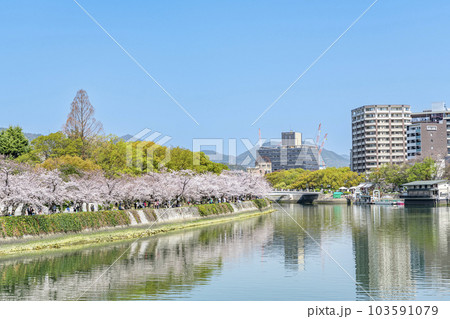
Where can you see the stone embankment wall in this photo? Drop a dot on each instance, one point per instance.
(12, 227)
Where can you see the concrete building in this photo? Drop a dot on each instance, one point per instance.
(379, 136)
(292, 153)
(427, 140)
(438, 116)
(262, 167)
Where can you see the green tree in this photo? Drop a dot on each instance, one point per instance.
(392, 177)
(51, 146)
(110, 154)
(181, 159)
(69, 165)
(13, 142)
(332, 178)
(422, 171)
(145, 156)
(389, 177)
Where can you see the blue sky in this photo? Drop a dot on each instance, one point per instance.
(225, 62)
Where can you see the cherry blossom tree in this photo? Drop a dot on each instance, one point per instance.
(23, 186)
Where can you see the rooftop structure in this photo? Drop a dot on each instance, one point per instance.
(291, 139)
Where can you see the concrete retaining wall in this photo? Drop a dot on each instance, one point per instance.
(178, 214)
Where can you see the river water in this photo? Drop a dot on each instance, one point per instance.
(299, 252)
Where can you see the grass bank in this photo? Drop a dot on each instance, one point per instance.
(103, 236)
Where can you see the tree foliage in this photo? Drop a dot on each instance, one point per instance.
(13, 142)
(109, 152)
(114, 156)
(51, 146)
(184, 159)
(69, 165)
(392, 177)
(79, 147)
(331, 178)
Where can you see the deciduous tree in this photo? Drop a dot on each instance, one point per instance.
(81, 122)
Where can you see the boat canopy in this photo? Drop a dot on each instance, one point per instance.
(364, 185)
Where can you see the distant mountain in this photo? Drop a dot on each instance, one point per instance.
(332, 159)
(31, 136)
(126, 137)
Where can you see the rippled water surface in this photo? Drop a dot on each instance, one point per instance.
(297, 253)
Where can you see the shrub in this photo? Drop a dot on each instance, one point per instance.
(214, 209)
(261, 203)
(18, 226)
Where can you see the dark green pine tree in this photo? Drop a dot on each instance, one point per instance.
(13, 142)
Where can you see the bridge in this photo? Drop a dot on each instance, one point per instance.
(293, 197)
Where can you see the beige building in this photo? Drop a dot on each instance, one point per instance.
(291, 139)
(379, 136)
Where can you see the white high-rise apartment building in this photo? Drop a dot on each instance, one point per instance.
(378, 136)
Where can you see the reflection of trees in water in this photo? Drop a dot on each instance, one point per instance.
(395, 251)
(151, 269)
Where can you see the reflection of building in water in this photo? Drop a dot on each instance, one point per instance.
(301, 254)
(431, 244)
(150, 269)
(382, 254)
(294, 243)
(443, 256)
(297, 244)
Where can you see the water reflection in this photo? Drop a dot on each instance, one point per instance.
(393, 253)
(401, 254)
(156, 268)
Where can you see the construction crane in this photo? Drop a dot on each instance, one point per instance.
(321, 161)
(318, 135)
(320, 148)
